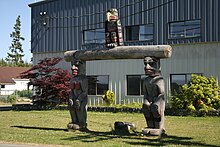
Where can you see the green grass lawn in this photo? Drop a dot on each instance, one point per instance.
(49, 127)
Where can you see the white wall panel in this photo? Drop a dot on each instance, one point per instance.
(186, 58)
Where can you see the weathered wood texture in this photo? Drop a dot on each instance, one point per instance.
(121, 52)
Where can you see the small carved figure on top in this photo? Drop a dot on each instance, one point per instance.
(78, 97)
(113, 29)
(154, 103)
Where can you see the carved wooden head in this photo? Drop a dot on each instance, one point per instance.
(152, 66)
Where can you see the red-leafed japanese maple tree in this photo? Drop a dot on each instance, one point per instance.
(51, 84)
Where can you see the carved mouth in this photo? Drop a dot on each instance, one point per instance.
(75, 71)
(149, 71)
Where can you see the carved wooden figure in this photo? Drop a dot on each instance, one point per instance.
(113, 29)
(78, 97)
(154, 103)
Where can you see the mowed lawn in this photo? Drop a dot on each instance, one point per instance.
(49, 127)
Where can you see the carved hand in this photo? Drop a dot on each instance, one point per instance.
(77, 104)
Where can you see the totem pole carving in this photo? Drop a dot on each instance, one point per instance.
(78, 97)
(113, 29)
(154, 103)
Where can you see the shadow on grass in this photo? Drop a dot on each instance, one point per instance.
(92, 136)
(40, 128)
(131, 139)
(168, 140)
(137, 140)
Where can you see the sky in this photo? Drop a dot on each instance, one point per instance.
(9, 11)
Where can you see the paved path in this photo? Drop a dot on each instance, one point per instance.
(21, 145)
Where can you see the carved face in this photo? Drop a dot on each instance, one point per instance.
(112, 14)
(152, 66)
(75, 68)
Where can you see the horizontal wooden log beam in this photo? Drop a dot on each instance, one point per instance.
(120, 52)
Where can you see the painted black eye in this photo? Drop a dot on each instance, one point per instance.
(77, 63)
(152, 64)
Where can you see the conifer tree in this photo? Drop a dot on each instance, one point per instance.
(2, 62)
(16, 51)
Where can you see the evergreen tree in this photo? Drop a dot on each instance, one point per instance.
(2, 62)
(16, 51)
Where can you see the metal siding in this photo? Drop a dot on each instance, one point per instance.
(117, 71)
(77, 23)
(194, 58)
(136, 17)
(175, 10)
(155, 15)
(218, 22)
(65, 23)
(160, 25)
(186, 58)
(121, 12)
(69, 32)
(141, 15)
(52, 33)
(127, 13)
(181, 9)
(47, 35)
(58, 38)
(216, 18)
(74, 22)
(209, 25)
(56, 29)
(210, 20)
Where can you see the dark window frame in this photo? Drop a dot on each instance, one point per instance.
(2, 86)
(94, 40)
(185, 31)
(186, 80)
(140, 91)
(95, 91)
(129, 34)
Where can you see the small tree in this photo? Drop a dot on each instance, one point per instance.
(52, 85)
(16, 51)
(2, 62)
(201, 93)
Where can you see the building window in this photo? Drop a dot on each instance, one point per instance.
(94, 39)
(140, 33)
(94, 36)
(2, 86)
(178, 80)
(98, 85)
(184, 29)
(134, 84)
(146, 32)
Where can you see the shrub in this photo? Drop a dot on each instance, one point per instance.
(24, 93)
(52, 84)
(109, 97)
(201, 93)
(11, 99)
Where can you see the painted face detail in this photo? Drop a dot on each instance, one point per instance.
(75, 67)
(151, 66)
(74, 70)
(112, 14)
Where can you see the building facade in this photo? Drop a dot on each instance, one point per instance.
(191, 27)
(10, 82)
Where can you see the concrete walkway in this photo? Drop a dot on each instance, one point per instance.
(21, 145)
